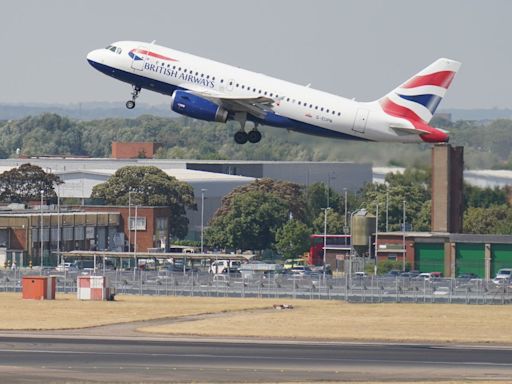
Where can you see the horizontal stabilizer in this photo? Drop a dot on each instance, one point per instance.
(401, 130)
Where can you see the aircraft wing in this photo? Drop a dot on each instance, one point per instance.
(256, 106)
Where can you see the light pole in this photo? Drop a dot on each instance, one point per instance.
(135, 234)
(345, 190)
(387, 206)
(129, 219)
(41, 231)
(58, 225)
(325, 237)
(203, 191)
(376, 231)
(403, 239)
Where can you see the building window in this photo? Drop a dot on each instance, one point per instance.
(139, 224)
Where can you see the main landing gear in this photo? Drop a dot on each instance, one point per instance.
(130, 104)
(241, 137)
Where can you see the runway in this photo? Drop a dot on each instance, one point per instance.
(68, 359)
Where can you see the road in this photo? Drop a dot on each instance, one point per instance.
(66, 359)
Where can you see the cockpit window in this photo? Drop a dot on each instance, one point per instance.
(118, 51)
(108, 47)
(113, 49)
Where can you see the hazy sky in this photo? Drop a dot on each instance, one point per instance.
(353, 48)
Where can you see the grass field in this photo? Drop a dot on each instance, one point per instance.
(309, 319)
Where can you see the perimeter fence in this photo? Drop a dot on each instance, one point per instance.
(371, 289)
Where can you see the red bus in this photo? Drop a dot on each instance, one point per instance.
(333, 242)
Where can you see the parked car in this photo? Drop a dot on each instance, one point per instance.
(291, 263)
(225, 266)
(427, 276)
(467, 276)
(320, 269)
(504, 273)
(301, 271)
(360, 275)
(393, 273)
(409, 275)
(66, 267)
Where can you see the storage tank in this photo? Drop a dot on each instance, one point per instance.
(363, 226)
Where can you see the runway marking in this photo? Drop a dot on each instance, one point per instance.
(462, 363)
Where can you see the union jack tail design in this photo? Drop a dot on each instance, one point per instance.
(417, 99)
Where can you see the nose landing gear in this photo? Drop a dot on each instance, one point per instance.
(130, 104)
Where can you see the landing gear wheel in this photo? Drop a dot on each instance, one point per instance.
(130, 104)
(241, 137)
(254, 136)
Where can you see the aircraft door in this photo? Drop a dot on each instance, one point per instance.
(138, 58)
(361, 120)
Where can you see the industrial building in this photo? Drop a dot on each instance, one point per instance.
(210, 179)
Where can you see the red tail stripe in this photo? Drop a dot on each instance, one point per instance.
(441, 79)
(398, 111)
(433, 135)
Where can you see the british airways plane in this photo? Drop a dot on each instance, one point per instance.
(212, 91)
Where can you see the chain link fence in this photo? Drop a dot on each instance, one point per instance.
(358, 289)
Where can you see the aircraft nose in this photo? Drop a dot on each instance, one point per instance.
(95, 57)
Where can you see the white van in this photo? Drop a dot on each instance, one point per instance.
(225, 266)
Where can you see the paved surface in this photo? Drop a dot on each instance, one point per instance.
(45, 358)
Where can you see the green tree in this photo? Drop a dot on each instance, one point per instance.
(249, 222)
(497, 219)
(413, 186)
(289, 193)
(149, 186)
(316, 199)
(292, 239)
(335, 223)
(484, 197)
(25, 183)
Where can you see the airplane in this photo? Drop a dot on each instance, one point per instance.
(208, 90)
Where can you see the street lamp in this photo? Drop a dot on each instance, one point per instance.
(387, 206)
(376, 231)
(41, 231)
(203, 191)
(58, 225)
(325, 236)
(129, 219)
(403, 239)
(345, 192)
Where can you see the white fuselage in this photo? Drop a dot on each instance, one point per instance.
(296, 107)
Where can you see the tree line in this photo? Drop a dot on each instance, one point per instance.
(486, 145)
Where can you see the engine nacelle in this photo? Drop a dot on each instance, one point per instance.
(194, 106)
